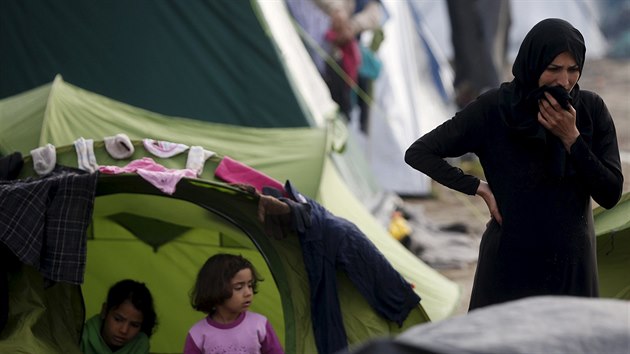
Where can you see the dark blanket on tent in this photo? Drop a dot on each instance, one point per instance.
(334, 244)
(44, 221)
(544, 324)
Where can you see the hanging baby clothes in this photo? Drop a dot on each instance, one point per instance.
(119, 146)
(197, 157)
(164, 149)
(44, 159)
(162, 178)
(85, 154)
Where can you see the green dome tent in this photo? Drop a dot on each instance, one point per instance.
(139, 232)
(612, 228)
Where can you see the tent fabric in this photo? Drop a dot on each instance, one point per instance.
(37, 323)
(612, 228)
(411, 93)
(408, 100)
(127, 51)
(234, 62)
(59, 113)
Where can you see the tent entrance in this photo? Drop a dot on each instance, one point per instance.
(163, 242)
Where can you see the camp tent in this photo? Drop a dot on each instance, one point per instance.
(612, 228)
(412, 95)
(220, 61)
(59, 113)
(233, 62)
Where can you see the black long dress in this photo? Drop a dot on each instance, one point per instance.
(546, 243)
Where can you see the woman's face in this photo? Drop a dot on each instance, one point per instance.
(562, 71)
(121, 325)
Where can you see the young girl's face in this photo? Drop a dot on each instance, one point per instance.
(121, 325)
(242, 292)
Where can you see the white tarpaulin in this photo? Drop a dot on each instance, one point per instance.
(411, 96)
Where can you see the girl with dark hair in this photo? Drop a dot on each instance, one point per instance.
(224, 290)
(546, 148)
(126, 321)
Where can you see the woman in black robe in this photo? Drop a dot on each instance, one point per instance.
(546, 148)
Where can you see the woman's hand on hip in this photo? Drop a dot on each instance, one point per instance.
(485, 192)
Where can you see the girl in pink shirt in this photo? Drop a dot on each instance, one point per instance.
(224, 290)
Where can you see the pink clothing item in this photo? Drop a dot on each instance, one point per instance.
(233, 171)
(351, 59)
(250, 333)
(162, 178)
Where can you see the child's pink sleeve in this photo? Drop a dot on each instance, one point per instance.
(271, 344)
(190, 347)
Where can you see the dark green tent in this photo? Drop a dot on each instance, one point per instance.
(179, 58)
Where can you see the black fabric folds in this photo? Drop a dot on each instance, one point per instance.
(559, 93)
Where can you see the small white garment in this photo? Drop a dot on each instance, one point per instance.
(44, 159)
(119, 146)
(197, 157)
(85, 154)
(162, 148)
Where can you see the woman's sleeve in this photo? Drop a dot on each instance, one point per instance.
(271, 343)
(600, 165)
(455, 137)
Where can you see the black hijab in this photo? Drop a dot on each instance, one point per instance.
(519, 98)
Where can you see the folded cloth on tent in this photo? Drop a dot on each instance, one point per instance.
(162, 178)
(331, 243)
(44, 221)
(233, 171)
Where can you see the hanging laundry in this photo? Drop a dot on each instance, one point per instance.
(197, 157)
(45, 220)
(233, 171)
(162, 178)
(44, 159)
(162, 148)
(119, 146)
(85, 154)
